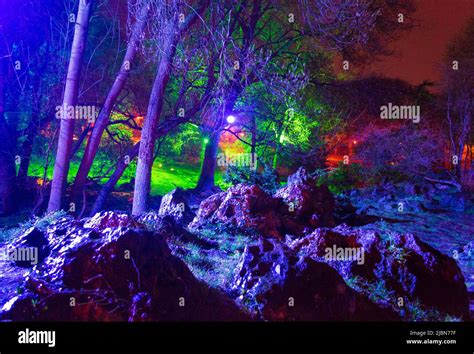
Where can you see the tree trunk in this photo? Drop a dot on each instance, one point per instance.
(148, 136)
(7, 168)
(7, 162)
(66, 130)
(208, 168)
(108, 187)
(253, 146)
(27, 149)
(104, 115)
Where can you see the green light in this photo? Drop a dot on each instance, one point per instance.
(206, 140)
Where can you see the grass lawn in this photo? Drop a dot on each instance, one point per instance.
(166, 175)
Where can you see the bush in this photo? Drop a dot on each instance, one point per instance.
(399, 153)
(267, 178)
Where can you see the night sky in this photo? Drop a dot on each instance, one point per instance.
(419, 52)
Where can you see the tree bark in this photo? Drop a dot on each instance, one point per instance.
(27, 149)
(103, 119)
(155, 105)
(108, 187)
(7, 168)
(208, 168)
(7, 156)
(66, 130)
(147, 141)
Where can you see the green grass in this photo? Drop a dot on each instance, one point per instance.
(216, 264)
(9, 232)
(166, 175)
(412, 311)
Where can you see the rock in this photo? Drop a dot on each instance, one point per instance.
(295, 209)
(300, 177)
(344, 211)
(175, 204)
(129, 271)
(29, 249)
(403, 264)
(308, 204)
(279, 286)
(110, 219)
(246, 207)
(57, 307)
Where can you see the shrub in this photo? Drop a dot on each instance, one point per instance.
(267, 178)
(399, 153)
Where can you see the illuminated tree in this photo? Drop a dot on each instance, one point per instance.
(136, 32)
(169, 33)
(66, 132)
(458, 87)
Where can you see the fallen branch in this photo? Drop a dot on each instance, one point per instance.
(449, 183)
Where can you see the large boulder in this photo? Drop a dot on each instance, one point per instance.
(175, 204)
(295, 209)
(277, 285)
(400, 264)
(246, 207)
(309, 204)
(128, 270)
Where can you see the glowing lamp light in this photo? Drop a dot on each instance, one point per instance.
(230, 119)
(206, 140)
(355, 142)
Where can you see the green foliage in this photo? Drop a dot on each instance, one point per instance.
(266, 179)
(185, 141)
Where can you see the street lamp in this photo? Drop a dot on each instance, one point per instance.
(230, 119)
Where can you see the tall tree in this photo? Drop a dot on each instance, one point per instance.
(352, 29)
(66, 132)
(103, 118)
(458, 87)
(170, 33)
(31, 60)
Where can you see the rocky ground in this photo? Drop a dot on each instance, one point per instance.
(244, 254)
(438, 215)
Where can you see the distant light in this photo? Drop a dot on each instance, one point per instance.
(230, 119)
(206, 140)
(355, 142)
(161, 165)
